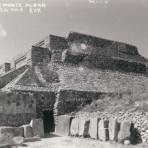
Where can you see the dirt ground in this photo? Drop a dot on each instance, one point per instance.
(54, 141)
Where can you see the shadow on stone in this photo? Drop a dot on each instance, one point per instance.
(86, 129)
(135, 137)
(24, 145)
(51, 135)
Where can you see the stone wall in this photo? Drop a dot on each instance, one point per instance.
(78, 40)
(5, 68)
(104, 54)
(16, 108)
(40, 55)
(52, 42)
(57, 42)
(75, 82)
(20, 60)
(115, 64)
(16, 119)
(8, 77)
(82, 78)
(79, 48)
(110, 59)
(99, 128)
(125, 127)
(35, 56)
(68, 101)
(44, 101)
(139, 119)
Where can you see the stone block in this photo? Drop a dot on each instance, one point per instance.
(21, 131)
(8, 133)
(83, 127)
(124, 133)
(103, 132)
(113, 129)
(63, 125)
(93, 128)
(28, 131)
(14, 131)
(38, 127)
(74, 128)
(5, 137)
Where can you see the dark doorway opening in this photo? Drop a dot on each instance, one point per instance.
(48, 120)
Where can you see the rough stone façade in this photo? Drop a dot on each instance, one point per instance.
(62, 74)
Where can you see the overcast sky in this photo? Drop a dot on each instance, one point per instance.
(121, 20)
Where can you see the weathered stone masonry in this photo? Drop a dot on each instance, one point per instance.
(17, 108)
(63, 74)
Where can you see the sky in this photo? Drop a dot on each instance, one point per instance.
(120, 20)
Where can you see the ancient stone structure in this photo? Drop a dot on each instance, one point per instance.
(63, 125)
(59, 75)
(5, 68)
(105, 54)
(120, 127)
(38, 127)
